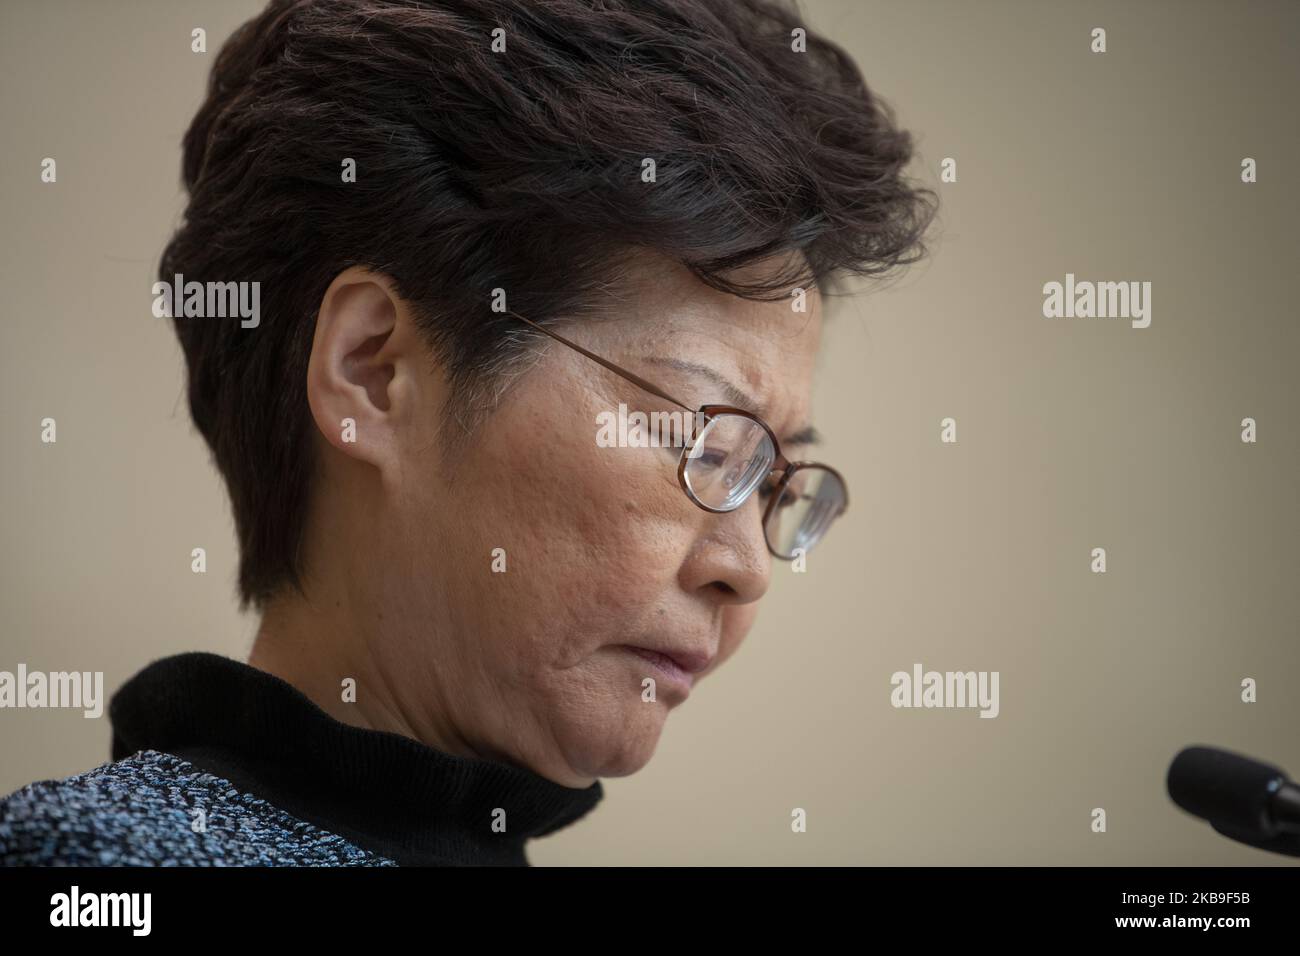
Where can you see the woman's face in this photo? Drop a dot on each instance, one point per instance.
(525, 653)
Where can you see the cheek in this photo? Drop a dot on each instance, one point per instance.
(622, 532)
(594, 536)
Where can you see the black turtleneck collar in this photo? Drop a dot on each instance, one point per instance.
(381, 791)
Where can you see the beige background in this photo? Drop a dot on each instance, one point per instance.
(1073, 434)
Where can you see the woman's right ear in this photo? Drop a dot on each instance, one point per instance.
(353, 386)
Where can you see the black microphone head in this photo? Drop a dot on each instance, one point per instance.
(1225, 788)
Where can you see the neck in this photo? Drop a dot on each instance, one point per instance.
(316, 646)
(317, 652)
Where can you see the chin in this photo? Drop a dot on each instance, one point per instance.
(619, 744)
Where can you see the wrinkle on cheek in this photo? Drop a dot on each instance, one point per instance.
(615, 589)
(601, 532)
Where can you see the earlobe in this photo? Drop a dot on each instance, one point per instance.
(352, 366)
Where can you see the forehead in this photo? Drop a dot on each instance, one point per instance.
(767, 348)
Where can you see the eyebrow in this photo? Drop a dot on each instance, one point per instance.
(735, 395)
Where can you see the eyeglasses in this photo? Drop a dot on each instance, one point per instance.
(732, 454)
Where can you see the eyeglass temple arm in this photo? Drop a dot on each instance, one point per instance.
(635, 379)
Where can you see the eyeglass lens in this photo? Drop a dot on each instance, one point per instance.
(811, 500)
(729, 458)
(733, 455)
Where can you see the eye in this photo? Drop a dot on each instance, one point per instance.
(711, 459)
(765, 492)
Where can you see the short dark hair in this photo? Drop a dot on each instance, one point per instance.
(520, 170)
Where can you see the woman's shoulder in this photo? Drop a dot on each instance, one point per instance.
(157, 809)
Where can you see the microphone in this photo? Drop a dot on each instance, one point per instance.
(1243, 799)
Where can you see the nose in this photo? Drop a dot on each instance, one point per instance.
(729, 562)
